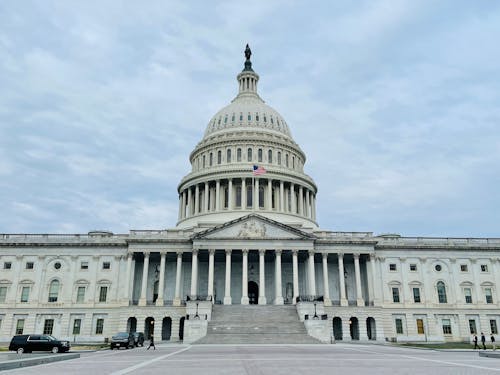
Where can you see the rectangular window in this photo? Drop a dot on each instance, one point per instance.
(464, 268)
(106, 265)
(488, 295)
(446, 327)
(103, 293)
(99, 326)
(395, 295)
(25, 293)
(7, 265)
(77, 324)
(392, 267)
(48, 326)
(80, 294)
(3, 293)
(413, 267)
(19, 326)
(84, 265)
(420, 326)
(493, 327)
(416, 295)
(468, 295)
(30, 265)
(472, 327)
(484, 268)
(399, 326)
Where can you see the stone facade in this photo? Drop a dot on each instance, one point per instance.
(229, 248)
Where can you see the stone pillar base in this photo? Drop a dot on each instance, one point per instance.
(262, 301)
(244, 300)
(279, 301)
(176, 302)
(360, 302)
(142, 302)
(159, 302)
(343, 302)
(327, 302)
(228, 301)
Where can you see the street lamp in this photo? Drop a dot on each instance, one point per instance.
(315, 314)
(196, 315)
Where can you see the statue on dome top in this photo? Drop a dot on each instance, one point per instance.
(248, 52)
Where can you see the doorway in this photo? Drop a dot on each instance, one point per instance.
(166, 328)
(354, 328)
(181, 329)
(337, 328)
(253, 293)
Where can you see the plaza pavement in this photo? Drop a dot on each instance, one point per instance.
(273, 360)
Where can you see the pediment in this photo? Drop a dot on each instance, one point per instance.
(254, 227)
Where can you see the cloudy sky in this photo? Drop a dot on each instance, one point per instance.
(396, 104)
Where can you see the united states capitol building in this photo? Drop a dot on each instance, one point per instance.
(248, 261)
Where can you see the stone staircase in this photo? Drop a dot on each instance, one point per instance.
(256, 324)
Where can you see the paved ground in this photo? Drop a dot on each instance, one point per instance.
(272, 360)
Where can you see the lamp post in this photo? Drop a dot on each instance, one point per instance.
(196, 315)
(315, 314)
(152, 329)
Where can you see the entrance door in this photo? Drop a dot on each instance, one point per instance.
(253, 293)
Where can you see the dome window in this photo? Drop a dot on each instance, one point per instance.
(279, 157)
(259, 155)
(286, 160)
(238, 155)
(256, 117)
(270, 156)
(228, 156)
(219, 157)
(265, 119)
(249, 154)
(272, 122)
(293, 162)
(204, 161)
(225, 120)
(218, 122)
(241, 117)
(232, 118)
(249, 117)
(211, 157)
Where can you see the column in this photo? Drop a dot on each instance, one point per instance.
(177, 295)
(129, 278)
(243, 193)
(376, 296)
(282, 197)
(278, 300)
(313, 206)
(269, 195)
(326, 286)
(161, 281)
(357, 274)
(312, 276)
(230, 195)
(227, 291)
(210, 291)
(244, 281)
(197, 199)
(255, 197)
(142, 300)
(262, 278)
(308, 204)
(301, 201)
(217, 195)
(343, 300)
(194, 273)
(207, 195)
(295, 269)
(189, 202)
(179, 217)
(184, 204)
(292, 197)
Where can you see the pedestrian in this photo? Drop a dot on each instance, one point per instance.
(483, 340)
(151, 343)
(492, 338)
(475, 341)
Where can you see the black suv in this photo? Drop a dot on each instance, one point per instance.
(138, 338)
(122, 339)
(30, 343)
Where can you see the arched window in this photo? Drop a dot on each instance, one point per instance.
(286, 160)
(270, 156)
(219, 157)
(249, 195)
(241, 116)
(204, 161)
(232, 118)
(249, 154)
(293, 162)
(238, 155)
(211, 159)
(53, 290)
(259, 155)
(279, 157)
(228, 156)
(441, 290)
(238, 196)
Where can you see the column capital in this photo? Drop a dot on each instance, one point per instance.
(244, 251)
(146, 253)
(311, 252)
(295, 252)
(195, 251)
(262, 251)
(325, 255)
(402, 259)
(179, 253)
(356, 255)
(340, 255)
(278, 251)
(211, 251)
(163, 253)
(228, 251)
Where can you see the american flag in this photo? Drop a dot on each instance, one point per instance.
(257, 170)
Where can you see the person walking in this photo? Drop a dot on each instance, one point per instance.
(151, 343)
(483, 340)
(492, 338)
(474, 340)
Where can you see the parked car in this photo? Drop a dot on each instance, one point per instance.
(30, 343)
(122, 340)
(138, 338)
